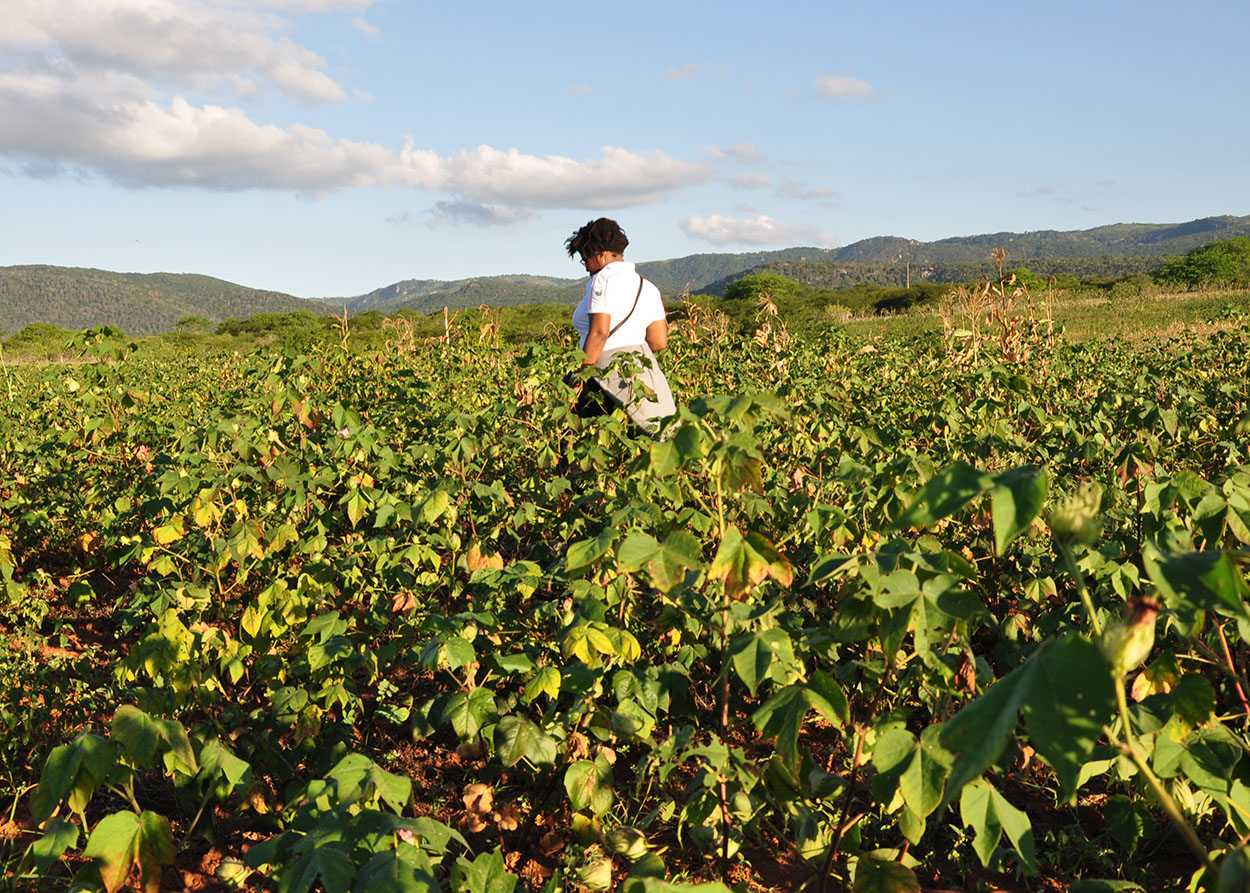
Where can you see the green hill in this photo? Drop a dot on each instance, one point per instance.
(139, 304)
(426, 295)
(884, 260)
(136, 303)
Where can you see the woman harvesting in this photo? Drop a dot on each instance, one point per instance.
(620, 313)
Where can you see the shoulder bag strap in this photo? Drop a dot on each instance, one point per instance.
(612, 331)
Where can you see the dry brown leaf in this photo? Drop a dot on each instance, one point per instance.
(508, 817)
(966, 676)
(479, 798)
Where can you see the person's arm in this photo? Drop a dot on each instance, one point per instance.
(600, 328)
(657, 335)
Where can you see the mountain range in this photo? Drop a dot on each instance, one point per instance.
(76, 298)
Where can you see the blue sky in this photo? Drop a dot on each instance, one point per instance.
(330, 147)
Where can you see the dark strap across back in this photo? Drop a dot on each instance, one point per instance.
(612, 331)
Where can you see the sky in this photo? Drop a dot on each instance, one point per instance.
(331, 147)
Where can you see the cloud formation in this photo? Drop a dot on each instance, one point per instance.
(761, 230)
(83, 90)
(195, 44)
(842, 87)
(750, 181)
(470, 213)
(788, 188)
(746, 152)
(685, 73)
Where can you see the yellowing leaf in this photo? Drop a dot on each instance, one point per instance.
(744, 563)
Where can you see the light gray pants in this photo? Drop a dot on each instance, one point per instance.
(638, 384)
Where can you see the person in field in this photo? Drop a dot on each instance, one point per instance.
(621, 313)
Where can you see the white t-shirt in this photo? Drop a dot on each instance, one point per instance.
(612, 291)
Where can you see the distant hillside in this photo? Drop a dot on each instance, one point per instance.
(1117, 240)
(136, 303)
(144, 303)
(886, 260)
(845, 274)
(426, 295)
(670, 276)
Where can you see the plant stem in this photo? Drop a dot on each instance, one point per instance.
(1224, 665)
(1129, 748)
(1228, 658)
(1094, 626)
(836, 845)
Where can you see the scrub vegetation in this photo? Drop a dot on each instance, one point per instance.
(358, 603)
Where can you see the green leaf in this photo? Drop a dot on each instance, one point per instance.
(924, 780)
(664, 458)
(59, 836)
(658, 885)
(827, 696)
(782, 715)
(978, 733)
(891, 755)
(405, 869)
(582, 554)
(60, 772)
(138, 735)
(1126, 821)
(1093, 885)
(469, 712)
(635, 551)
(1193, 700)
(178, 745)
(154, 848)
(990, 815)
(327, 861)
(1202, 580)
(485, 874)
(1209, 759)
(434, 506)
(545, 681)
(217, 759)
(947, 492)
(752, 654)
(1072, 697)
(1017, 499)
(517, 738)
(112, 846)
(357, 778)
(589, 786)
(879, 876)
(679, 553)
(357, 505)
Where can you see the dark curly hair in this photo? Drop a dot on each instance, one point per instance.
(597, 235)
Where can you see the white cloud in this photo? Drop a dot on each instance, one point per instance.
(751, 181)
(306, 5)
(582, 90)
(738, 152)
(788, 188)
(841, 87)
(761, 230)
(685, 73)
(470, 213)
(193, 44)
(118, 127)
(110, 88)
(367, 28)
(619, 177)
